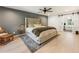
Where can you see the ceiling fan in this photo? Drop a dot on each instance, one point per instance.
(45, 10)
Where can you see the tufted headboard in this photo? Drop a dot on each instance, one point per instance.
(33, 21)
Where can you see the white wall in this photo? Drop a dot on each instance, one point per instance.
(54, 21)
(57, 21)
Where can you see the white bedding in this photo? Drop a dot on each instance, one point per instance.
(45, 35)
(30, 34)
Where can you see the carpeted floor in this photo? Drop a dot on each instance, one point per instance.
(32, 45)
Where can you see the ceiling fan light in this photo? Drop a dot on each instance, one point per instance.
(45, 10)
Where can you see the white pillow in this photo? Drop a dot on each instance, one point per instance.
(37, 25)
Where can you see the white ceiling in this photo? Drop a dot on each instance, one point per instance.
(57, 10)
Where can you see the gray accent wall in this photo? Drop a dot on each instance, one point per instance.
(10, 19)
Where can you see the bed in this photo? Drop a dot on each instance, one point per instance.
(41, 34)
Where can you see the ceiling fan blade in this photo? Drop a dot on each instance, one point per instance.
(40, 9)
(49, 9)
(40, 12)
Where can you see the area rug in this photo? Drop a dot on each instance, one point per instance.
(32, 45)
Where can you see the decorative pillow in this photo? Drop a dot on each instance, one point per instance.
(37, 25)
